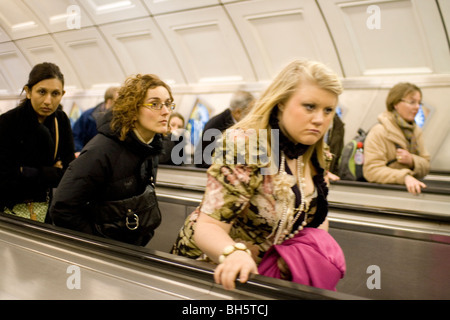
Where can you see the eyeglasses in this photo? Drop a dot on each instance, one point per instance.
(159, 105)
(412, 103)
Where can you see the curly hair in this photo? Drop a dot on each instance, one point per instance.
(130, 96)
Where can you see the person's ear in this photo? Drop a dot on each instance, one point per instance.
(27, 91)
(395, 106)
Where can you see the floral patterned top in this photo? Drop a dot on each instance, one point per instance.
(240, 194)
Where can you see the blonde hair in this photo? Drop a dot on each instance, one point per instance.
(283, 87)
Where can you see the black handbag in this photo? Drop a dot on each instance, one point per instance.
(131, 220)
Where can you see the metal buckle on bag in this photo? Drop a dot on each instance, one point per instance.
(135, 222)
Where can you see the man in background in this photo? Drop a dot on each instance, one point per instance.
(240, 105)
(85, 128)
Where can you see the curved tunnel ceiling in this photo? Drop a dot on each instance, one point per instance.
(210, 42)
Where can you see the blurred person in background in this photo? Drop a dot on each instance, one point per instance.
(240, 104)
(85, 128)
(175, 142)
(394, 149)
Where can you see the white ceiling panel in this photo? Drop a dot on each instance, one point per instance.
(388, 37)
(15, 68)
(4, 37)
(45, 49)
(18, 21)
(440, 159)
(229, 1)
(106, 11)
(92, 58)
(5, 88)
(60, 15)
(444, 5)
(140, 48)
(207, 46)
(165, 6)
(276, 32)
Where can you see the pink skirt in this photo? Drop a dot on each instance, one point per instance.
(314, 258)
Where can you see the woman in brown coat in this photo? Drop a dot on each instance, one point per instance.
(394, 149)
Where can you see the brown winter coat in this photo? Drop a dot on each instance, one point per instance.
(380, 148)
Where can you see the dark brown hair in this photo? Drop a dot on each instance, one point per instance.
(43, 71)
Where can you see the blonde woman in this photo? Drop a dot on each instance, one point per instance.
(249, 212)
(109, 189)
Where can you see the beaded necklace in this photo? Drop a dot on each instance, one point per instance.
(288, 220)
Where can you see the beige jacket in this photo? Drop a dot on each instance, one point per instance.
(380, 148)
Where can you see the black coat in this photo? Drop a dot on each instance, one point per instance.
(177, 145)
(27, 154)
(336, 142)
(107, 169)
(221, 122)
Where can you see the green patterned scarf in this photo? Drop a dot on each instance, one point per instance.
(408, 130)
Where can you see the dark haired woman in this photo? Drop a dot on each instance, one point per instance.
(36, 145)
(109, 189)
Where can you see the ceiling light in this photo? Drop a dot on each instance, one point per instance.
(114, 6)
(24, 25)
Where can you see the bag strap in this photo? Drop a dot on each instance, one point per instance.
(393, 160)
(56, 138)
(30, 209)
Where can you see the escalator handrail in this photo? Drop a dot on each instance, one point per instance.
(258, 285)
(334, 205)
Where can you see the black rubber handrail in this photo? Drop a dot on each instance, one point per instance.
(336, 205)
(434, 187)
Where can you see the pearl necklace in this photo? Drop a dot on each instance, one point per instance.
(286, 219)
